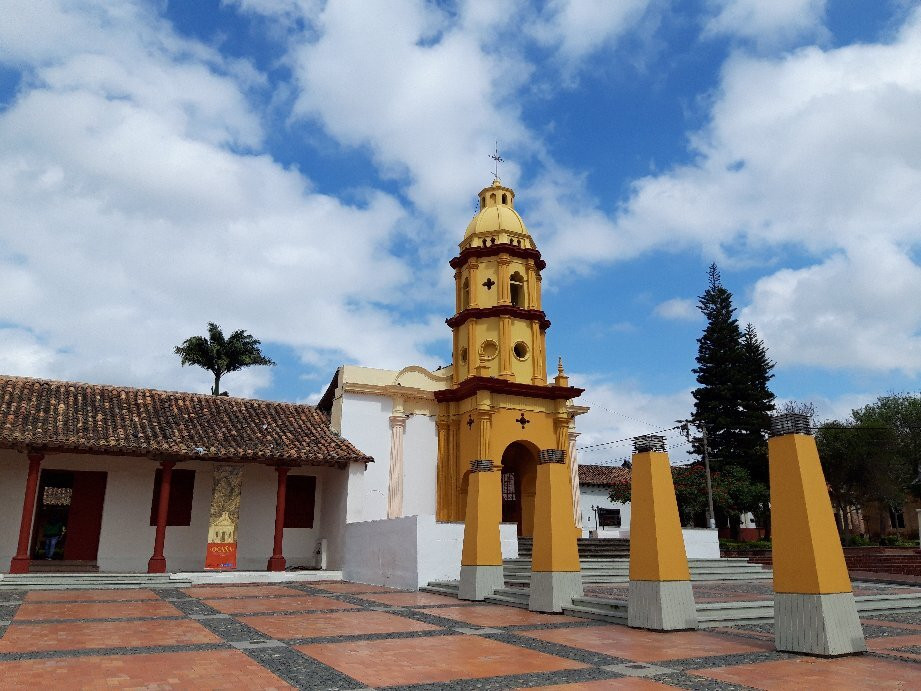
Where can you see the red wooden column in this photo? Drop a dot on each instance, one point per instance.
(20, 563)
(157, 563)
(277, 560)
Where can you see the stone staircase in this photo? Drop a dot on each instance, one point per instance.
(608, 561)
(709, 614)
(70, 581)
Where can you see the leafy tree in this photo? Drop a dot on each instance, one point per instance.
(854, 461)
(732, 490)
(221, 355)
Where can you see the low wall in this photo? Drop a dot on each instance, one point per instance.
(701, 543)
(408, 552)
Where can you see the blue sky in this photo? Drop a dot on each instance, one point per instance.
(304, 170)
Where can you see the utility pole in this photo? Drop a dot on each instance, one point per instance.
(711, 517)
(685, 428)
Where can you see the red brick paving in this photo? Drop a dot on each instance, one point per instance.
(115, 634)
(252, 605)
(650, 646)
(215, 591)
(106, 595)
(858, 673)
(214, 669)
(431, 660)
(498, 615)
(95, 610)
(333, 624)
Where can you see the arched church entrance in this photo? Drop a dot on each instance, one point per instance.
(519, 483)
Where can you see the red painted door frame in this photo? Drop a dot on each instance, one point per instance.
(84, 519)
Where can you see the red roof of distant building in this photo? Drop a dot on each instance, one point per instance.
(603, 475)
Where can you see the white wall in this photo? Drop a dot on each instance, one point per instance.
(420, 466)
(14, 467)
(366, 423)
(409, 552)
(701, 543)
(592, 495)
(256, 527)
(126, 538)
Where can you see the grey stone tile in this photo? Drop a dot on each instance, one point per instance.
(258, 643)
(637, 669)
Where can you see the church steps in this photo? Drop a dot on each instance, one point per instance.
(709, 614)
(70, 581)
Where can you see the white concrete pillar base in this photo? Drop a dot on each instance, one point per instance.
(551, 591)
(661, 606)
(479, 582)
(825, 625)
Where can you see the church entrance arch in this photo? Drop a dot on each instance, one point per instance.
(519, 483)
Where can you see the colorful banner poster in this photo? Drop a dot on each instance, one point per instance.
(225, 514)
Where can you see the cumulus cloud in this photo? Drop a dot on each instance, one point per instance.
(137, 207)
(576, 28)
(680, 309)
(767, 24)
(816, 151)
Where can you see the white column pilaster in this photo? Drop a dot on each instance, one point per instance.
(395, 477)
(574, 471)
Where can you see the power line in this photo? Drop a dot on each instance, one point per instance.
(625, 439)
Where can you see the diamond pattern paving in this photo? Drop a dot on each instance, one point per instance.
(332, 635)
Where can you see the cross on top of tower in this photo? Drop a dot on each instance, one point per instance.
(498, 159)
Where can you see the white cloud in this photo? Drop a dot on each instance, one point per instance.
(816, 152)
(859, 310)
(767, 24)
(134, 213)
(680, 309)
(577, 28)
(623, 410)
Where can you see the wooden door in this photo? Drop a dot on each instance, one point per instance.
(84, 520)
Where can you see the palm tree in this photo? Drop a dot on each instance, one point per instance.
(219, 355)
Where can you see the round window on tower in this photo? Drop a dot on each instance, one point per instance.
(489, 349)
(463, 355)
(521, 350)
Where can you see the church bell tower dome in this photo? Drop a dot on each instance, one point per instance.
(496, 221)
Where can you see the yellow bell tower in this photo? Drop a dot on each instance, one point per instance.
(500, 406)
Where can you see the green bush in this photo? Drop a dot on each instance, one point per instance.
(858, 541)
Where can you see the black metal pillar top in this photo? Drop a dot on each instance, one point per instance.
(551, 456)
(790, 423)
(480, 466)
(648, 442)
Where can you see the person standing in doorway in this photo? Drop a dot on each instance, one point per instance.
(52, 532)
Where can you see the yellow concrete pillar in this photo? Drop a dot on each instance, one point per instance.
(481, 559)
(556, 576)
(814, 608)
(660, 596)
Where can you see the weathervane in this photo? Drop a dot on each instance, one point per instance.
(498, 159)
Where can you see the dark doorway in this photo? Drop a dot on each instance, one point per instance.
(68, 515)
(519, 466)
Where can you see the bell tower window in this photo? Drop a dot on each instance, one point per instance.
(465, 294)
(516, 289)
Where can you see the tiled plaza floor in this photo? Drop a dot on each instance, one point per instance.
(350, 636)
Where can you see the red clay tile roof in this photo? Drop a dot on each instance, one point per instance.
(603, 475)
(114, 420)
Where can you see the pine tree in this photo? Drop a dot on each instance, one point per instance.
(756, 405)
(721, 375)
(733, 402)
